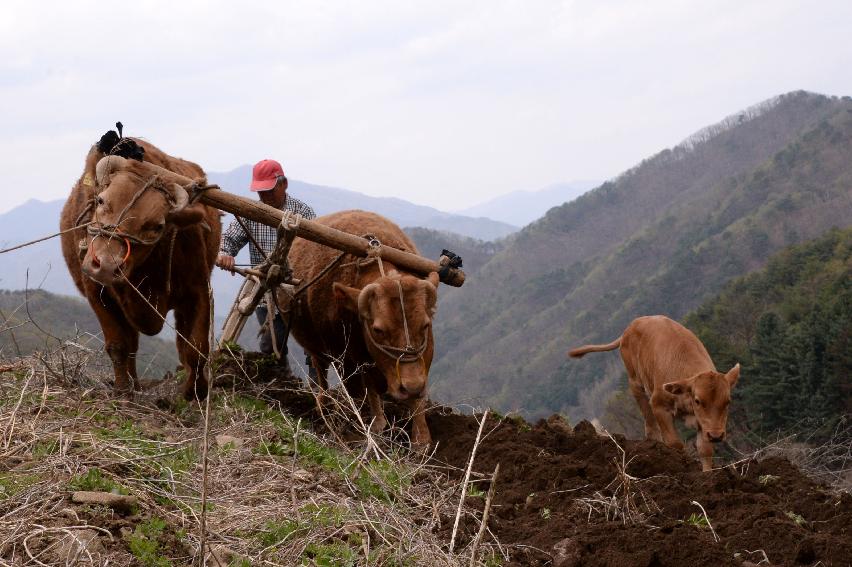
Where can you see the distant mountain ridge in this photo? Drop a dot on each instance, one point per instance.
(42, 265)
(660, 238)
(327, 200)
(523, 207)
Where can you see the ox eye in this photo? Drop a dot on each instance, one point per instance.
(378, 331)
(697, 402)
(99, 200)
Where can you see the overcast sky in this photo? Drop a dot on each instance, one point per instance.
(441, 103)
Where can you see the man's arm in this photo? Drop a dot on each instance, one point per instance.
(233, 240)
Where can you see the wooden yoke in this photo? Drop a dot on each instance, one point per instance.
(333, 238)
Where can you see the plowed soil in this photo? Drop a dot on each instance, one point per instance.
(570, 497)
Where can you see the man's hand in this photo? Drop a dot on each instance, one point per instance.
(225, 262)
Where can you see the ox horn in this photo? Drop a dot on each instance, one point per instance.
(106, 166)
(181, 198)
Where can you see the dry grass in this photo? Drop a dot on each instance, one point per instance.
(623, 499)
(278, 493)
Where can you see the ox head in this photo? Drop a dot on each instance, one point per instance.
(710, 394)
(384, 319)
(132, 210)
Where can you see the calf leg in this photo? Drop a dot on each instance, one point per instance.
(652, 429)
(705, 451)
(665, 420)
(193, 326)
(320, 366)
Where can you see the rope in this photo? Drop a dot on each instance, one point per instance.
(36, 241)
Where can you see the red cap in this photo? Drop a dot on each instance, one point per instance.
(265, 175)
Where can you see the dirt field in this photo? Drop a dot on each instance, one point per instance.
(568, 496)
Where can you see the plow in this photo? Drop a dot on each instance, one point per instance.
(274, 279)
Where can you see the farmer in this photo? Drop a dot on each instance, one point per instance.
(270, 184)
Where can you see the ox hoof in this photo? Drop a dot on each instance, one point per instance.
(379, 424)
(677, 445)
(421, 445)
(193, 391)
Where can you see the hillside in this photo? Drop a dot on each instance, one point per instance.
(42, 321)
(790, 326)
(661, 238)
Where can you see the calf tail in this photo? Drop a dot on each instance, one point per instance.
(580, 351)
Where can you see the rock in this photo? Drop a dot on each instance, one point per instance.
(566, 553)
(222, 555)
(236, 442)
(585, 429)
(115, 501)
(78, 542)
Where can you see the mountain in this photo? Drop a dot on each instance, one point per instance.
(327, 200)
(523, 207)
(38, 320)
(661, 238)
(41, 265)
(790, 327)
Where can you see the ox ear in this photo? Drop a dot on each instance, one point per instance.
(678, 388)
(347, 297)
(192, 214)
(433, 279)
(733, 375)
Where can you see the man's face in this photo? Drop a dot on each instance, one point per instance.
(275, 197)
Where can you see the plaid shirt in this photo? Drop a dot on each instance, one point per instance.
(234, 237)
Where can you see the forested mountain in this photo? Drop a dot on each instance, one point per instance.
(790, 326)
(38, 320)
(661, 238)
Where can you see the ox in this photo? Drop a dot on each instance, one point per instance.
(671, 375)
(371, 317)
(142, 250)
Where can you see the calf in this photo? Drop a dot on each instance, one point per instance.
(671, 375)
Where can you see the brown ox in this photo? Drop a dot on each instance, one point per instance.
(354, 315)
(146, 252)
(671, 375)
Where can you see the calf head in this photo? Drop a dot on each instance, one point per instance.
(396, 314)
(133, 207)
(710, 396)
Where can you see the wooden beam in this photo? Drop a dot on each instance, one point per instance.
(321, 234)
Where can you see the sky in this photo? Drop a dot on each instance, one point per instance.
(446, 104)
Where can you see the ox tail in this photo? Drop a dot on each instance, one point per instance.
(585, 349)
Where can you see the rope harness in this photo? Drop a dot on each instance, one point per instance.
(409, 353)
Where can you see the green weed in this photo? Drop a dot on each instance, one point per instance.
(144, 543)
(330, 555)
(12, 484)
(799, 520)
(95, 481)
(765, 479)
(697, 520)
(44, 449)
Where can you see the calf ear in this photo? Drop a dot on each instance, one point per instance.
(733, 375)
(679, 387)
(347, 297)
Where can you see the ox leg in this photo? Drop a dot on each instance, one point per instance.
(652, 430)
(665, 420)
(320, 366)
(379, 422)
(194, 327)
(420, 436)
(121, 341)
(705, 451)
